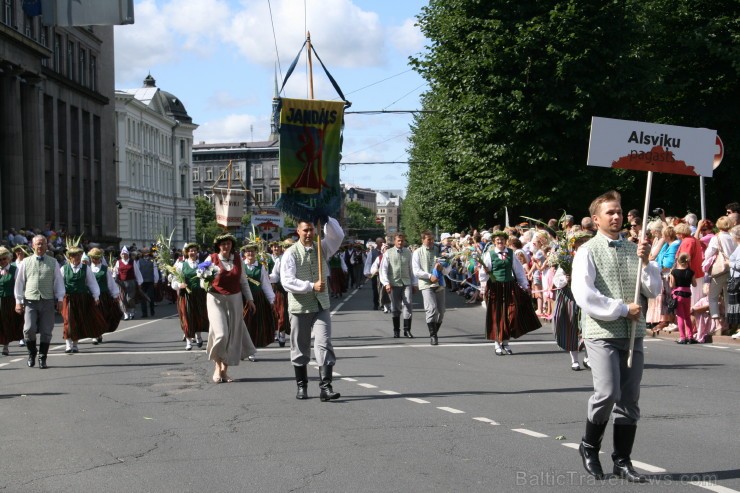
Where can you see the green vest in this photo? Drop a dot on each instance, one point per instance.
(189, 273)
(39, 278)
(7, 282)
(616, 273)
(426, 260)
(101, 277)
(306, 269)
(502, 270)
(74, 282)
(335, 262)
(256, 274)
(399, 267)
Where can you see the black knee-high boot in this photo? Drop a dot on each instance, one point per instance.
(43, 351)
(407, 328)
(432, 333)
(624, 438)
(327, 393)
(397, 327)
(589, 449)
(301, 378)
(31, 345)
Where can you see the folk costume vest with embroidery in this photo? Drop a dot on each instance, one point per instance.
(126, 271)
(7, 282)
(399, 267)
(307, 269)
(426, 259)
(227, 282)
(502, 269)
(190, 274)
(254, 273)
(40, 278)
(616, 273)
(101, 278)
(74, 282)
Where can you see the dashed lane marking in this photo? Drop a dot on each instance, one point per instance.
(4, 364)
(15, 360)
(712, 346)
(345, 300)
(418, 401)
(574, 446)
(712, 487)
(531, 433)
(451, 410)
(486, 420)
(336, 374)
(368, 385)
(389, 392)
(347, 379)
(647, 467)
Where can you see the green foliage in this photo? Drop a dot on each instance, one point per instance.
(206, 228)
(513, 87)
(359, 216)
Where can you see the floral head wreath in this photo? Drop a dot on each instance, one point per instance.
(500, 234)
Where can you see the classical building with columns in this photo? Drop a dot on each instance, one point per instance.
(154, 144)
(56, 126)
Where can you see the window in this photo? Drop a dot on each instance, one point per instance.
(8, 12)
(44, 36)
(257, 171)
(57, 53)
(182, 148)
(209, 174)
(70, 60)
(28, 27)
(259, 196)
(275, 194)
(196, 174)
(275, 171)
(83, 67)
(93, 73)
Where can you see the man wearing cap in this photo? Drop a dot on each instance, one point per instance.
(149, 278)
(372, 255)
(399, 281)
(38, 283)
(308, 304)
(127, 271)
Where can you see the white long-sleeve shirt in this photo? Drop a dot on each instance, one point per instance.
(597, 305)
(275, 274)
(333, 236)
(417, 268)
(20, 284)
(112, 286)
(516, 268)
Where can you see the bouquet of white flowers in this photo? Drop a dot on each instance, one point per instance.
(207, 272)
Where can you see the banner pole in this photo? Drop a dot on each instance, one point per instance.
(310, 96)
(702, 199)
(645, 211)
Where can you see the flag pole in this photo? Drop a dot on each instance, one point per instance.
(311, 96)
(645, 211)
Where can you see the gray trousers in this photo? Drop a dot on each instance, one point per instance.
(39, 318)
(434, 304)
(616, 387)
(301, 325)
(401, 299)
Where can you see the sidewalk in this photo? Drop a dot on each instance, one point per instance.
(716, 339)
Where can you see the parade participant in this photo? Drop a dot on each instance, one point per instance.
(308, 305)
(20, 252)
(228, 338)
(605, 271)
(38, 283)
(109, 292)
(399, 282)
(127, 271)
(11, 322)
(358, 264)
(149, 278)
(384, 298)
(567, 316)
(372, 255)
(337, 274)
(81, 316)
(261, 321)
(191, 298)
(509, 311)
(282, 318)
(424, 265)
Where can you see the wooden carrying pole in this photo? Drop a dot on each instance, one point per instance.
(645, 211)
(310, 96)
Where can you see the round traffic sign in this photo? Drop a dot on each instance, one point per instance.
(720, 153)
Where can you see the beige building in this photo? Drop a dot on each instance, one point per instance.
(389, 213)
(57, 165)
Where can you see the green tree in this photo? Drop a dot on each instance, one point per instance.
(359, 216)
(206, 227)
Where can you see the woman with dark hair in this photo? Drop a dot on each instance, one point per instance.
(261, 321)
(109, 292)
(11, 322)
(191, 297)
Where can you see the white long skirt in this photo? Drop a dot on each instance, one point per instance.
(228, 339)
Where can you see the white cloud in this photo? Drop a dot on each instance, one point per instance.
(407, 38)
(233, 128)
(199, 22)
(226, 100)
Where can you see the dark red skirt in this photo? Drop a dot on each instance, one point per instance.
(81, 317)
(509, 311)
(11, 323)
(111, 311)
(191, 308)
(282, 320)
(261, 322)
(336, 280)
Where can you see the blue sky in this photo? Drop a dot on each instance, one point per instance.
(219, 58)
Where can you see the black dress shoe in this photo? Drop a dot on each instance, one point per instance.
(31, 360)
(42, 362)
(591, 461)
(623, 468)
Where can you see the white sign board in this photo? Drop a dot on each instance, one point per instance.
(229, 206)
(277, 219)
(644, 146)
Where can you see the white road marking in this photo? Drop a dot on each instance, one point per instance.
(573, 446)
(4, 364)
(486, 420)
(347, 379)
(451, 410)
(418, 401)
(345, 300)
(389, 392)
(712, 346)
(530, 432)
(647, 467)
(712, 487)
(368, 385)
(15, 360)
(336, 374)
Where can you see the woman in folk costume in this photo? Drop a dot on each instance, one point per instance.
(127, 271)
(11, 322)
(509, 311)
(282, 319)
(109, 292)
(260, 322)
(81, 316)
(191, 299)
(337, 274)
(567, 316)
(228, 338)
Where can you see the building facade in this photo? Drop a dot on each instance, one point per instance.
(389, 213)
(57, 165)
(154, 154)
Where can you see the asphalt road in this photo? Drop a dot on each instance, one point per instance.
(139, 414)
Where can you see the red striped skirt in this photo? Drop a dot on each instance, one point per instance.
(336, 280)
(11, 323)
(282, 320)
(191, 308)
(261, 322)
(509, 311)
(111, 311)
(81, 317)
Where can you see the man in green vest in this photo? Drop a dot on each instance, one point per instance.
(399, 281)
(38, 283)
(604, 274)
(426, 267)
(308, 304)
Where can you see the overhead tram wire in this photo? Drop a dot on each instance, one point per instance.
(274, 38)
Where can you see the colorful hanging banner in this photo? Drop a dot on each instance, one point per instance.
(310, 145)
(229, 206)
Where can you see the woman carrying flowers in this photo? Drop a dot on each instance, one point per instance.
(191, 297)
